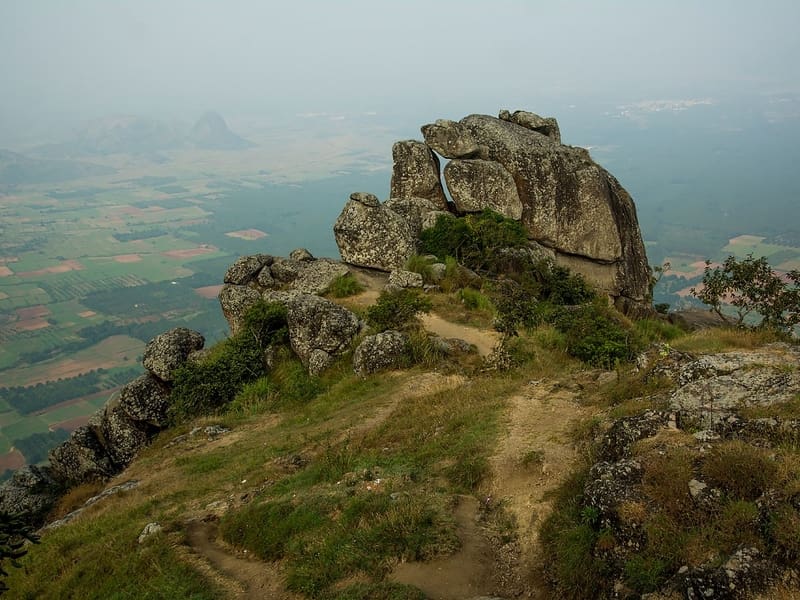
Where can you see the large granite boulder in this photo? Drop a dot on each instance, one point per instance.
(316, 276)
(319, 330)
(168, 351)
(572, 205)
(122, 437)
(30, 493)
(378, 352)
(371, 235)
(415, 211)
(235, 301)
(479, 184)
(547, 126)
(450, 139)
(246, 268)
(80, 459)
(145, 399)
(415, 173)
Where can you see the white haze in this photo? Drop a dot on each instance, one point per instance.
(68, 60)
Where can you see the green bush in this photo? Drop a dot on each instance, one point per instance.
(595, 335)
(395, 309)
(344, 286)
(474, 300)
(420, 264)
(204, 386)
(473, 240)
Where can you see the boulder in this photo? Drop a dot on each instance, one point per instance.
(572, 205)
(145, 399)
(286, 270)
(618, 440)
(430, 219)
(123, 438)
(246, 268)
(414, 210)
(450, 139)
(479, 184)
(30, 493)
(415, 173)
(405, 279)
(610, 484)
(168, 351)
(319, 330)
(316, 276)
(235, 301)
(82, 458)
(378, 352)
(266, 280)
(373, 236)
(301, 254)
(547, 126)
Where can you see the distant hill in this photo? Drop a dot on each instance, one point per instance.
(212, 133)
(20, 169)
(130, 134)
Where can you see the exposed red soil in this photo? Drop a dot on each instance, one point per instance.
(87, 313)
(127, 258)
(5, 272)
(209, 291)
(12, 460)
(64, 267)
(71, 425)
(247, 234)
(189, 252)
(31, 324)
(32, 312)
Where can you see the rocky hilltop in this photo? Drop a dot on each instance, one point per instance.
(573, 209)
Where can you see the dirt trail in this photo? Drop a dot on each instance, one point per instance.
(245, 578)
(465, 574)
(483, 339)
(538, 421)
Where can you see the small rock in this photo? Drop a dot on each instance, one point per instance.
(405, 279)
(149, 530)
(301, 254)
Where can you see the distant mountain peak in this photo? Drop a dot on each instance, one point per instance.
(211, 132)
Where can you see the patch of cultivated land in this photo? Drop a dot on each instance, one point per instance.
(105, 355)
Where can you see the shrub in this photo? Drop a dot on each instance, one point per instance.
(474, 300)
(395, 309)
(14, 533)
(753, 289)
(344, 286)
(595, 335)
(420, 264)
(473, 240)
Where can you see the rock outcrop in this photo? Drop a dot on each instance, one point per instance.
(515, 165)
(166, 352)
(381, 351)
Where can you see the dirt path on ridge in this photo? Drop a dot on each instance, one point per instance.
(539, 421)
(483, 339)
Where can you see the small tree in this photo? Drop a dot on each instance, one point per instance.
(753, 289)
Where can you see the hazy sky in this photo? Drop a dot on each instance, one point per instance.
(84, 58)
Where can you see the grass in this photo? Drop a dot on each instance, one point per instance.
(721, 339)
(344, 286)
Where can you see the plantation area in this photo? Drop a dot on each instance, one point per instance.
(132, 255)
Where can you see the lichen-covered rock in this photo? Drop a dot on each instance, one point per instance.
(316, 276)
(415, 173)
(82, 458)
(266, 280)
(378, 352)
(547, 126)
(405, 279)
(609, 484)
(123, 438)
(572, 205)
(317, 326)
(235, 301)
(450, 139)
(30, 493)
(618, 440)
(246, 268)
(479, 184)
(168, 351)
(145, 399)
(373, 236)
(430, 219)
(301, 254)
(286, 270)
(414, 210)
(745, 571)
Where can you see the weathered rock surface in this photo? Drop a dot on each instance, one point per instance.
(415, 211)
(316, 276)
(319, 330)
(478, 184)
(301, 254)
(609, 484)
(168, 351)
(286, 270)
(405, 279)
(145, 399)
(235, 301)
(122, 437)
(373, 236)
(547, 126)
(31, 493)
(415, 173)
(80, 459)
(378, 352)
(617, 441)
(450, 139)
(246, 268)
(746, 570)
